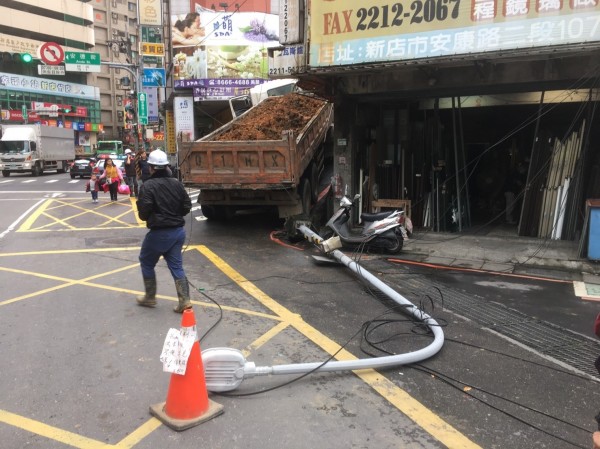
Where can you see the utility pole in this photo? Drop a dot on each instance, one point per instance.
(133, 69)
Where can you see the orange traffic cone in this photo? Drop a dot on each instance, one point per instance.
(187, 402)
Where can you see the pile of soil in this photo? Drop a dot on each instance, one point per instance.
(269, 119)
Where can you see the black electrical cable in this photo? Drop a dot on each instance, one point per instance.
(448, 380)
(372, 326)
(521, 359)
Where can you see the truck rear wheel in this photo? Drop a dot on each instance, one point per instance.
(218, 213)
(64, 167)
(5, 173)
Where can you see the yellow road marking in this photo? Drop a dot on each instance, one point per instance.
(412, 408)
(34, 216)
(111, 218)
(405, 403)
(135, 211)
(138, 434)
(85, 282)
(50, 432)
(264, 338)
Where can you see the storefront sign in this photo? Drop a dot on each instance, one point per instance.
(184, 118)
(43, 108)
(288, 61)
(217, 82)
(30, 84)
(289, 22)
(218, 93)
(152, 49)
(152, 103)
(150, 12)
(222, 28)
(348, 32)
(153, 77)
(223, 45)
(20, 45)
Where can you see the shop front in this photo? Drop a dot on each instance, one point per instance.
(25, 99)
(472, 124)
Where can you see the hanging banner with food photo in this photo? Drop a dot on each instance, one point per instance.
(215, 45)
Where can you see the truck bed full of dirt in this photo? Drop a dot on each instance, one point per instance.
(267, 120)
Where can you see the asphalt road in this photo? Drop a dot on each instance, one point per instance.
(80, 361)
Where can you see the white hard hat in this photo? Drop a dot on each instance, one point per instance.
(158, 158)
(127, 151)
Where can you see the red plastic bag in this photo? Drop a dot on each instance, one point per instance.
(105, 187)
(124, 189)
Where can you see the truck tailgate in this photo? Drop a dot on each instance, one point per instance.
(248, 164)
(254, 164)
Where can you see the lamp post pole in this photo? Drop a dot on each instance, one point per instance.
(133, 70)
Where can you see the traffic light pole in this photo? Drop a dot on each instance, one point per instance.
(133, 70)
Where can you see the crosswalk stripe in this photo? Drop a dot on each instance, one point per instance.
(51, 181)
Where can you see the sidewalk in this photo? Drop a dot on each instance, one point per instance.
(500, 252)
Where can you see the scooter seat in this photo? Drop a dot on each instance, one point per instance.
(365, 216)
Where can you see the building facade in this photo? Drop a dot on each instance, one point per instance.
(473, 113)
(37, 90)
(116, 37)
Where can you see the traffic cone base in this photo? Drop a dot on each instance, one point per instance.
(187, 403)
(158, 411)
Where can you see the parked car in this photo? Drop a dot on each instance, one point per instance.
(81, 167)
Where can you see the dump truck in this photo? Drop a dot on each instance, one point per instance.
(271, 155)
(35, 148)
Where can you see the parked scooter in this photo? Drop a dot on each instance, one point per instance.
(383, 231)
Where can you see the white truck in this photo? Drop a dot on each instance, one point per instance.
(35, 148)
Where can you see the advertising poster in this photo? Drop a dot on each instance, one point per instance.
(217, 45)
(184, 119)
(345, 32)
(150, 12)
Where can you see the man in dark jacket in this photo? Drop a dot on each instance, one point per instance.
(142, 169)
(131, 173)
(162, 204)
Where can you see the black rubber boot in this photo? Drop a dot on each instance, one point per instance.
(149, 299)
(183, 293)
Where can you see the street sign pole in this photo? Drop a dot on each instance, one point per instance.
(24, 113)
(133, 70)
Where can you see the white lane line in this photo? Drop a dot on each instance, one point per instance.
(200, 218)
(6, 180)
(196, 208)
(51, 181)
(29, 180)
(73, 181)
(16, 222)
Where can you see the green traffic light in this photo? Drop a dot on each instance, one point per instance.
(26, 57)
